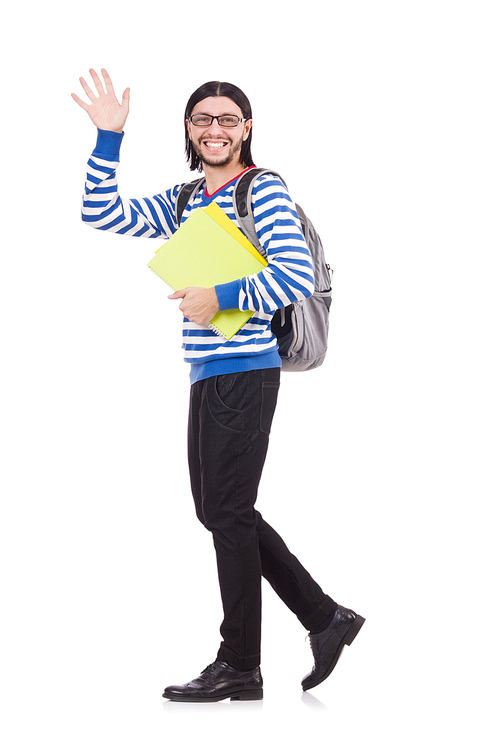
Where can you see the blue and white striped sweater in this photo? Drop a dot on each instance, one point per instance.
(288, 277)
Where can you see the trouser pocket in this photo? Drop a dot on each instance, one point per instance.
(226, 398)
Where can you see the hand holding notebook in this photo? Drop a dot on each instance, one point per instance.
(199, 305)
(208, 250)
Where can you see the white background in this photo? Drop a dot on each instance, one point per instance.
(382, 475)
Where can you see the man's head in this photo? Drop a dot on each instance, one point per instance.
(218, 142)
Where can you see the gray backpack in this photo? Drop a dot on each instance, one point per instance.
(301, 328)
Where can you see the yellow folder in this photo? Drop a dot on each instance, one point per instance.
(207, 250)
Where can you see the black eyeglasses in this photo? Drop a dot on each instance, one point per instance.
(225, 121)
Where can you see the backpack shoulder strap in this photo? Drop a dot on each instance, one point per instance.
(183, 197)
(242, 202)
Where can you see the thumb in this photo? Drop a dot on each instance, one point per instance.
(179, 294)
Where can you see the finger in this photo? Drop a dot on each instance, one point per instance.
(88, 91)
(97, 82)
(107, 81)
(126, 98)
(80, 102)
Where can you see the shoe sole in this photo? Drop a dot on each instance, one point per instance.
(244, 695)
(349, 638)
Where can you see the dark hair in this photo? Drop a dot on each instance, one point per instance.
(218, 89)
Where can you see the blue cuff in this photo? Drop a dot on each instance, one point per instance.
(108, 144)
(228, 295)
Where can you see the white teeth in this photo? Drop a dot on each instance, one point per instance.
(215, 145)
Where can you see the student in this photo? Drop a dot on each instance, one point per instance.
(234, 383)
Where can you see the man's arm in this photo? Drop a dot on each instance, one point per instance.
(289, 275)
(102, 206)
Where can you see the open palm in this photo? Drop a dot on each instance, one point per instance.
(104, 109)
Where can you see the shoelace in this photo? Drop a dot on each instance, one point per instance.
(309, 637)
(210, 668)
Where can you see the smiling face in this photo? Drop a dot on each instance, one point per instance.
(217, 146)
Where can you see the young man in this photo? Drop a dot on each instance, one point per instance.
(234, 383)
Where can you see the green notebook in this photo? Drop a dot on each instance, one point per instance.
(208, 249)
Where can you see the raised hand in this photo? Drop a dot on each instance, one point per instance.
(104, 110)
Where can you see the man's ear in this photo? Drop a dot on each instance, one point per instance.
(248, 126)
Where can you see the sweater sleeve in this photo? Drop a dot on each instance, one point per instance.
(103, 207)
(289, 275)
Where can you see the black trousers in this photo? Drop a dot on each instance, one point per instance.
(230, 420)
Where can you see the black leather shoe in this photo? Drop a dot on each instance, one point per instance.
(218, 682)
(328, 645)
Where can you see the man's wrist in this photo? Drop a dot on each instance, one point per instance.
(108, 143)
(228, 295)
